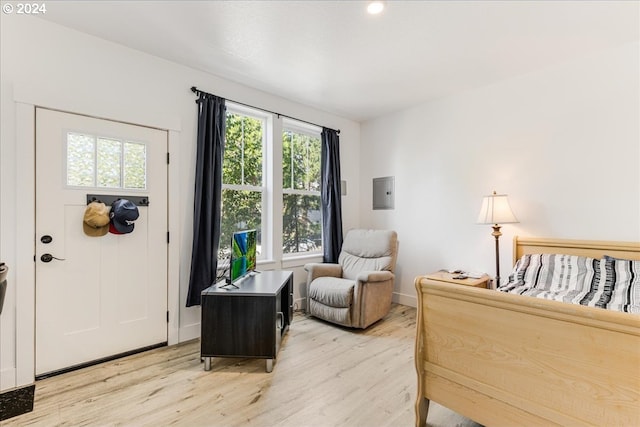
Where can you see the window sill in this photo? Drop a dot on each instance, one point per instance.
(299, 260)
(266, 264)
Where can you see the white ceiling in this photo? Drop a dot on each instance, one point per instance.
(333, 56)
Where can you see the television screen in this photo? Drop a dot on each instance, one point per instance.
(243, 254)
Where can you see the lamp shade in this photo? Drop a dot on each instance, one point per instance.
(496, 210)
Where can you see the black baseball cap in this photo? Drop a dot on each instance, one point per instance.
(123, 214)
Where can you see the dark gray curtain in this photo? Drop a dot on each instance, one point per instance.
(331, 197)
(208, 195)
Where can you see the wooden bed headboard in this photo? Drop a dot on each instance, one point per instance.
(590, 248)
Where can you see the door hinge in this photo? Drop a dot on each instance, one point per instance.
(167, 237)
(167, 316)
(167, 158)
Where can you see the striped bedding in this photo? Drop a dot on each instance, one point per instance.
(608, 283)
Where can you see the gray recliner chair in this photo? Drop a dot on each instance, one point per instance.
(356, 291)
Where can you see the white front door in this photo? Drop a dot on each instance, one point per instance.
(98, 296)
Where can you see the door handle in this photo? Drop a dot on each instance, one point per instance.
(49, 258)
(279, 320)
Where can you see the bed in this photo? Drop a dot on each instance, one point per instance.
(504, 359)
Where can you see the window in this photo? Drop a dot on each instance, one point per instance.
(301, 216)
(94, 161)
(252, 188)
(243, 188)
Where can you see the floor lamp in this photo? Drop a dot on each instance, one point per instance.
(495, 210)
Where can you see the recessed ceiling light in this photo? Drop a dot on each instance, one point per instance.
(375, 7)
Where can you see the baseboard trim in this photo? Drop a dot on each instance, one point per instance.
(189, 332)
(404, 299)
(16, 401)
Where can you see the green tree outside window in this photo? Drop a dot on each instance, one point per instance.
(301, 216)
(242, 176)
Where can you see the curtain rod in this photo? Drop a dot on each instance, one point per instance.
(197, 91)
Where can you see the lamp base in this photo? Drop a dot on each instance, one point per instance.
(496, 233)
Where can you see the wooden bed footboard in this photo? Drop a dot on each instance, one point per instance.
(504, 359)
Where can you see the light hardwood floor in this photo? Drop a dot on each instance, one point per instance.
(324, 376)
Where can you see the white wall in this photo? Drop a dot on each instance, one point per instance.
(563, 143)
(48, 65)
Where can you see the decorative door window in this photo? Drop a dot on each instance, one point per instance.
(95, 161)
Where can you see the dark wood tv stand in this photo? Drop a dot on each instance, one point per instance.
(249, 321)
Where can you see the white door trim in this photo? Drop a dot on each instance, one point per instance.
(25, 250)
(25, 230)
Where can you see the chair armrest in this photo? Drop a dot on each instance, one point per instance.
(375, 276)
(317, 269)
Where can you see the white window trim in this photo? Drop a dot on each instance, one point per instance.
(301, 127)
(243, 187)
(301, 258)
(301, 192)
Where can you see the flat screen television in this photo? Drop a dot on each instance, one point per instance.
(243, 254)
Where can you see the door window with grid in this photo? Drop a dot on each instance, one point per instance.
(96, 161)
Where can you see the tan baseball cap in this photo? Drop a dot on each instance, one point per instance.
(96, 219)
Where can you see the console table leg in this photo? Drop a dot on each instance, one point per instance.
(207, 363)
(269, 365)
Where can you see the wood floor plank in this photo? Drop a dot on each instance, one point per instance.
(325, 375)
